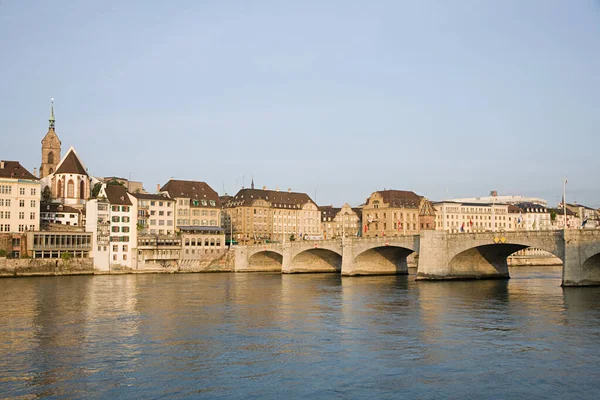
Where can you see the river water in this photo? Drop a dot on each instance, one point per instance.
(298, 336)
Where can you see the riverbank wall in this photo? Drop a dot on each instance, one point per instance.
(24, 267)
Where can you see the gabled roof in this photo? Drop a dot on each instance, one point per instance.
(193, 190)
(14, 170)
(117, 194)
(57, 207)
(399, 198)
(426, 209)
(533, 207)
(71, 164)
(287, 200)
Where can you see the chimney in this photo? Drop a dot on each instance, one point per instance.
(264, 188)
(2, 164)
(157, 187)
(289, 190)
(35, 172)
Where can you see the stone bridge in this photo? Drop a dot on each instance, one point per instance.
(442, 255)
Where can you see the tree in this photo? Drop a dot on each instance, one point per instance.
(2, 253)
(292, 237)
(552, 215)
(46, 195)
(96, 190)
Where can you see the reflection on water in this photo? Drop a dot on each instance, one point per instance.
(321, 335)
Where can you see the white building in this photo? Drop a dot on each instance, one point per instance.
(532, 217)
(156, 213)
(512, 199)
(454, 217)
(112, 219)
(56, 213)
(19, 198)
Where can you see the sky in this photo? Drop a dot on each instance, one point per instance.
(333, 98)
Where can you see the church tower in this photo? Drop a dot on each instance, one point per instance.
(50, 148)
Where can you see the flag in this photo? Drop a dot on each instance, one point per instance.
(471, 222)
(584, 222)
(382, 233)
(520, 218)
(399, 225)
(462, 227)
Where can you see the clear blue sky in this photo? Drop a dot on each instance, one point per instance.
(446, 98)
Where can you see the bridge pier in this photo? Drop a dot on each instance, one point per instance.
(582, 258)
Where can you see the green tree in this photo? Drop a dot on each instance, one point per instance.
(2, 253)
(552, 215)
(46, 195)
(96, 190)
(292, 237)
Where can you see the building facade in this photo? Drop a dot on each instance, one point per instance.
(259, 215)
(19, 198)
(455, 217)
(392, 213)
(339, 222)
(111, 218)
(156, 214)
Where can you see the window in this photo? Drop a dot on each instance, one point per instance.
(124, 247)
(115, 208)
(152, 203)
(22, 191)
(5, 189)
(31, 227)
(212, 203)
(160, 203)
(204, 202)
(32, 203)
(31, 215)
(33, 192)
(125, 229)
(21, 203)
(152, 222)
(21, 215)
(116, 219)
(114, 229)
(21, 228)
(114, 257)
(161, 213)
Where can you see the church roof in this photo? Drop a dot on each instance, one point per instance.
(14, 170)
(71, 164)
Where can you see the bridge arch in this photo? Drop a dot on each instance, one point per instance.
(316, 260)
(489, 259)
(265, 260)
(382, 260)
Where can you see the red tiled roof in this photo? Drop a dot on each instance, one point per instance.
(192, 190)
(13, 169)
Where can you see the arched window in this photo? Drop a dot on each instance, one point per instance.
(193, 242)
(59, 190)
(51, 171)
(212, 242)
(219, 242)
(82, 189)
(187, 242)
(51, 158)
(206, 242)
(70, 189)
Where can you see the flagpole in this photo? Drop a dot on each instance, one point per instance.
(565, 201)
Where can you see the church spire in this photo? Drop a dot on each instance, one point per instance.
(252, 184)
(51, 120)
